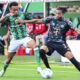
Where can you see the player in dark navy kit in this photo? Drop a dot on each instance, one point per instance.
(56, 37)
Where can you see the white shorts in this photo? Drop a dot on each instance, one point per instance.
(15, 44)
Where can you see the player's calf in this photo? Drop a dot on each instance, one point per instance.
(6, 64)
(70, 56)
(44, 58)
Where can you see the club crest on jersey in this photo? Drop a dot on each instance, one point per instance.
(53, 24)
(62, 26)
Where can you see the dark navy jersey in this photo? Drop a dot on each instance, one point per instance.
(58, 29)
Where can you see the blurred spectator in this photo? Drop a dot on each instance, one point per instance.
(1, 9)
(78, 25)
(78, 37)
(20, 8)
(71, 34)
(37, 29)
(2, 43)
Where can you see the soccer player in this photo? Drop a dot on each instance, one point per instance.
(18, 32)
(4, 41)
(2, 44)
(56, 37)
(37, 31)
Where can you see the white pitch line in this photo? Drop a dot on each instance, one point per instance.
(20, 69)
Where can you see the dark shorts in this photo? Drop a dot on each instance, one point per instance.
(61, 48)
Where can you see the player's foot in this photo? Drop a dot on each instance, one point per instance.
(2, 73)
(39, 69)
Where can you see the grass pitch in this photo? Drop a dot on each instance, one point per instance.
(24, 68)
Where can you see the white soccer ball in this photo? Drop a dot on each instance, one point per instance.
(47, 73)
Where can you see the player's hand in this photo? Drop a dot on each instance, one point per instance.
(9, 14)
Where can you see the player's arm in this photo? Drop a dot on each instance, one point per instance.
(43, 20)
(77, 30)
(3, 18)
(73, 27)
(30, 21)
(34, 21)
(7, 36)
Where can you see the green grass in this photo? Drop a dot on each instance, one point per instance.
(24, 68)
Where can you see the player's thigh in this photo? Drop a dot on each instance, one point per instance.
(38, 40)
(49, 48)
(62, 48)
(69, 55)
(45, 48)
(10, 55)
(14, 46)
(29, 42)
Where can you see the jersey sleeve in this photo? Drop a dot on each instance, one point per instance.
(70, 24)
(7, 19)
(47, 19)
(21, 16)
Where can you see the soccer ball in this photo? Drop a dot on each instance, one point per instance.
(46, 73)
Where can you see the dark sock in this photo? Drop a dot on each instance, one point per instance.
(5, 66)
(44, 58)
(75, 63)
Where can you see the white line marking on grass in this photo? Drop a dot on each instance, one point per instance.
(20, 69)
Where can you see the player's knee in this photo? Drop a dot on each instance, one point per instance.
(10, 57)
(31, 44)
(44, 48)
(42, 54)
(69, 55)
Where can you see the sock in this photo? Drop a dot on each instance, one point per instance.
(37, 55)
(5, 66)
(75, 63)
(44, 58)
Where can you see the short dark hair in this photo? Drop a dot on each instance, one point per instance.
(62, 9)
(13, 4)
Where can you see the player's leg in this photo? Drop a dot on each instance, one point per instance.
(7, 62)
(29, 43)
(14, 45)
(70, 57)
(43, 51)
(64, 50)
(37, 55)
(46, 49)
(38, 60)
(40, 40)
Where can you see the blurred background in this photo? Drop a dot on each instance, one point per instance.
(42, 8)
